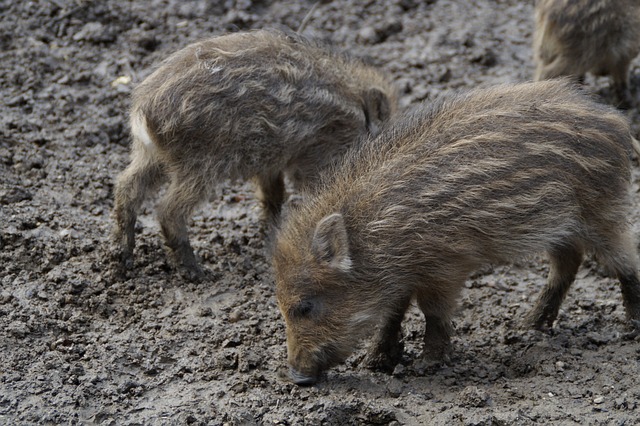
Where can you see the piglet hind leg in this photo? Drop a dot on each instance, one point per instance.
(559, 67)
(183, 195)
(621, 88)
(387, 347)
(564, 263)
(143, 176)
(271, 193)
(631, 295)
(622, 258)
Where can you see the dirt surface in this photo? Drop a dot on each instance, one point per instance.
(80, 348)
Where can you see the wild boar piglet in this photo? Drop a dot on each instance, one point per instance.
(250, 105)
(484, 177)
(573, 37)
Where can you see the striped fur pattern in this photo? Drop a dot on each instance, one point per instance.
(480, 178)
(573, 37)
(258, 105)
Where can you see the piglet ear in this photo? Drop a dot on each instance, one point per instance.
(330, 244)
(377, 110)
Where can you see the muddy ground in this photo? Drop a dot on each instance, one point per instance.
(79, 348)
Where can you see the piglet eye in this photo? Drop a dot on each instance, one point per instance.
(303, 309)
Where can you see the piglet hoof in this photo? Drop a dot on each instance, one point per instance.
(540, 322)
(634, 334)
(384, 361)
(116, 273)
(186, 263)
(430, 361)
(436, 353)
(119, 263)
(624, 101)
(191, 273)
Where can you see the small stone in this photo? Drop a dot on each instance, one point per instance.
(472, 396)
(487, 58)
(205, 311)
(394, 387)
(399, 370)
(18, 329)
(368, 35)
(69, 232)
(5, 297)
(14, 195)
(598, 339)
(239, 387)
(95, 32)
(123, 79)
(167, 312)
(598, 400)
(235, 316)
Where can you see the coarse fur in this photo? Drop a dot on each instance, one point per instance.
(573, 37)
(485, 177)
(257, 104)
